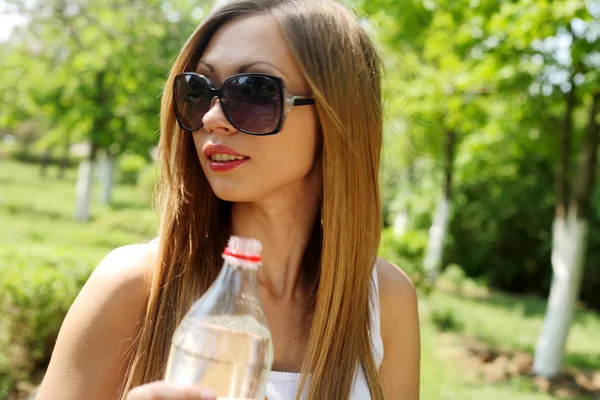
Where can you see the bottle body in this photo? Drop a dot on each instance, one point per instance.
(242, 345)
(224, 343)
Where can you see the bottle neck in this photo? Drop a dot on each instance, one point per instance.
(241, 290)
(239, 276)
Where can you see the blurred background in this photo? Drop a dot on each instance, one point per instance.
(489, 176)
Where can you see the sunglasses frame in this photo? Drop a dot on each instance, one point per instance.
(288, 100)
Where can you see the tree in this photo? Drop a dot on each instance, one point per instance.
(533, 64)
(93, 72)
(429, 68)
(558, 37)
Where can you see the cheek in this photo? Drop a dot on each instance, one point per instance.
(278, 162)
(198, 142)
(299, 141)
(287, 164)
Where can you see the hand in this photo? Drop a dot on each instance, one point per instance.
(161, 390)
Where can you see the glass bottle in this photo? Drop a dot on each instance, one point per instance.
(224, 343)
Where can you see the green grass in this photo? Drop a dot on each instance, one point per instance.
(37, 230)
(512, 323)
(442, 378)
(505, 323)
(37, 213)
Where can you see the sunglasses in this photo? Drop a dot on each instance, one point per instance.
(255, 104)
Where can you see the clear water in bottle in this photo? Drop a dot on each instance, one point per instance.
(240, 342)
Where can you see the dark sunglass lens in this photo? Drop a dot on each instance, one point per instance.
(192, 101)
(253, 103)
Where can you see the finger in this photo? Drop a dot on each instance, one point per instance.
(161, 390)
(151, 391)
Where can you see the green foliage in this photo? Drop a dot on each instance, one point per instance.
(444, 320)
(37, 288)
(501, 225)
(146, 182)
(91, 71)
(46, 257)
(496, 74)
(501, 229)
(455, 276)
(131, 167)
(406, 251)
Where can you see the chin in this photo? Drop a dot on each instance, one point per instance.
(232, 198)
(232, 194)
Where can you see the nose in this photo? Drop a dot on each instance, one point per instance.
(215, 120)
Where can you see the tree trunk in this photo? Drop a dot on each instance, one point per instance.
(401, 219)
(62, 168)
(84, 185)
(400, 222)
(437, 236)
(569, 244)
(437, 233)
(569, 237)
(587, 165)
(107, 169)
(86, 173)
(562, 175)
(45, 161)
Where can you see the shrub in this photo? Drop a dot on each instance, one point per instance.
(445, 321)
(501, 230)
(454, 275)
(36, 290)
(130, 168)
(39, 157)
(406, 251)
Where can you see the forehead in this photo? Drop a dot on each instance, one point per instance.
(247, 40)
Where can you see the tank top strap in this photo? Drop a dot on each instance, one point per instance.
(375, 314)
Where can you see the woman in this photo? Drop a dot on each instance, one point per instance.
(300, 175)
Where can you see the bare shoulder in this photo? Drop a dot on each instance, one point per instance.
(131, 264)
(90, 353)
(393, 281)
(400, 368)
(397, 298)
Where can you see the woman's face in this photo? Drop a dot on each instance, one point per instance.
(276, 165)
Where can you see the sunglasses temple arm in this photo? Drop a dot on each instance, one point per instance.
(302, 101)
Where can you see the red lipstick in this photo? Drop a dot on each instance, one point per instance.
(220, 157)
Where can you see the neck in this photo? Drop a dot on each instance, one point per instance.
(284, 224)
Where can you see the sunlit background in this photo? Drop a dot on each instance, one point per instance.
(489, 176)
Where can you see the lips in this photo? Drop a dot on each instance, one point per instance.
(222, 158)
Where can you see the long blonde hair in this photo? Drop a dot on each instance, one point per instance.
(342, 69)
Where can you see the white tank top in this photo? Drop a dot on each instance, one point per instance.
(283, 385)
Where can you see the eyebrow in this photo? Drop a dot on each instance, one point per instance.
(244, 68)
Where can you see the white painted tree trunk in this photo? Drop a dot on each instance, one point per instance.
(401, 220)
(569, 239)
(106, 171)
(400, 223)
(84, 190)
(437, 237)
